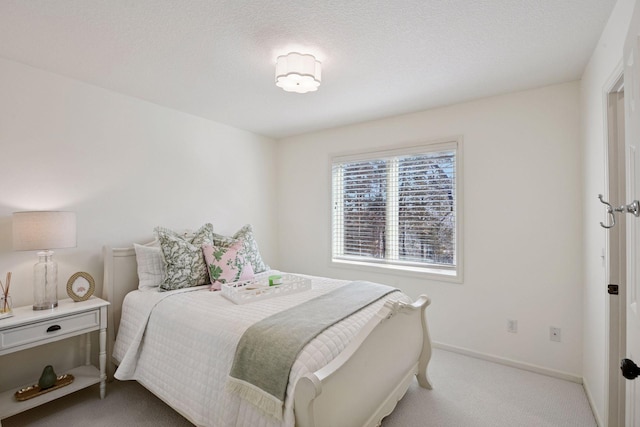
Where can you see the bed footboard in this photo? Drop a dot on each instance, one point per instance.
(364, 383)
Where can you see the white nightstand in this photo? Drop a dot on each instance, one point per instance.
(28, 328)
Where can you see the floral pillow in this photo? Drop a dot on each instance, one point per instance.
(185, 266)
(226, 264)
(250, 249)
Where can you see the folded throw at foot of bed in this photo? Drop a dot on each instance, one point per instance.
(267, 350)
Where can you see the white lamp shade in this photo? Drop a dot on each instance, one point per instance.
(297, 72)
(43, 230)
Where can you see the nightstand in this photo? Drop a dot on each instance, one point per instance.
(28, 328)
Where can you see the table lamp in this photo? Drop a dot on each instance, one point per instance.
(43, 231)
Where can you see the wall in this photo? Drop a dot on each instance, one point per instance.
(601, 71)
(124, 166)
(521, 230)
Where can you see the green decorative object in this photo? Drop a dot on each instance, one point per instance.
(275, 280)
(48, 378)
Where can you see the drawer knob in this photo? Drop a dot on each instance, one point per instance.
(53, 328)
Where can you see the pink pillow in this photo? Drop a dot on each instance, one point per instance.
(226, 264)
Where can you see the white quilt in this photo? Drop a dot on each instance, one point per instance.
(181, 344)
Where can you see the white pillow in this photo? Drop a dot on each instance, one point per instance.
(151, 269)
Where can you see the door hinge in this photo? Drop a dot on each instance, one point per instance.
(612, 289)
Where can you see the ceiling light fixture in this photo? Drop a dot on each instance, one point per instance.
(297, 72)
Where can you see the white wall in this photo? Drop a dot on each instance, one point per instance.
(522, 231)
(601, 70)
(125, 166)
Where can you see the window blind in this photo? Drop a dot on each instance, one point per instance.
(397, 208)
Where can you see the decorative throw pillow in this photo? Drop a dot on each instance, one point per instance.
(226, 264)
(250, 249)
(185, 266)
(151, 268)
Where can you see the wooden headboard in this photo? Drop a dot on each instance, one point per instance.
(120, 278)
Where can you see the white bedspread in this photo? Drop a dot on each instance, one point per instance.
(181, 344)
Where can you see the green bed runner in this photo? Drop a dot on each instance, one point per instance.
(267, 350)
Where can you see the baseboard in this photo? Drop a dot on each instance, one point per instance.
(509, 362)
(594, 410)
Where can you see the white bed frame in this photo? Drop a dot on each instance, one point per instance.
(358, 388)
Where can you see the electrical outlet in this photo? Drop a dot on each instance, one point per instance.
(554, 334)
(512, 326)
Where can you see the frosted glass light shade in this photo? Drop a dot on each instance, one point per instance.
(43, 230)
(297, 72)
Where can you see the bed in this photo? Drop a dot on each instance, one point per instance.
(352, 374)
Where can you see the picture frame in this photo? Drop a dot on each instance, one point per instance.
(81, 286)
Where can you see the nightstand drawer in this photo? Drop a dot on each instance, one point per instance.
(35, 332)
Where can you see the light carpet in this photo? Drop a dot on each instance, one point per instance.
(467, 392)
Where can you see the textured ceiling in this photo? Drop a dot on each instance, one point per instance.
(216, 58)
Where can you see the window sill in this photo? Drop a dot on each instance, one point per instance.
(419, 272)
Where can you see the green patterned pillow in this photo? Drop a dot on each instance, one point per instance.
(226, 264)
(183, 257)
(250, 250)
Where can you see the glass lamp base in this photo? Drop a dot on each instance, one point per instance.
(45, 282)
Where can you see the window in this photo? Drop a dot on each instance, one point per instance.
(399, 209)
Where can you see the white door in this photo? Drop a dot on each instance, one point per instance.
(632, 147)
(617, 252)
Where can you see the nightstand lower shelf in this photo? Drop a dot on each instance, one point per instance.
(30, 328)
(84, 376)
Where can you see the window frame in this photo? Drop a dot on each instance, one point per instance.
(452, 274)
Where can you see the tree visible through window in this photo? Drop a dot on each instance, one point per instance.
(396, 208)
(364, 201)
